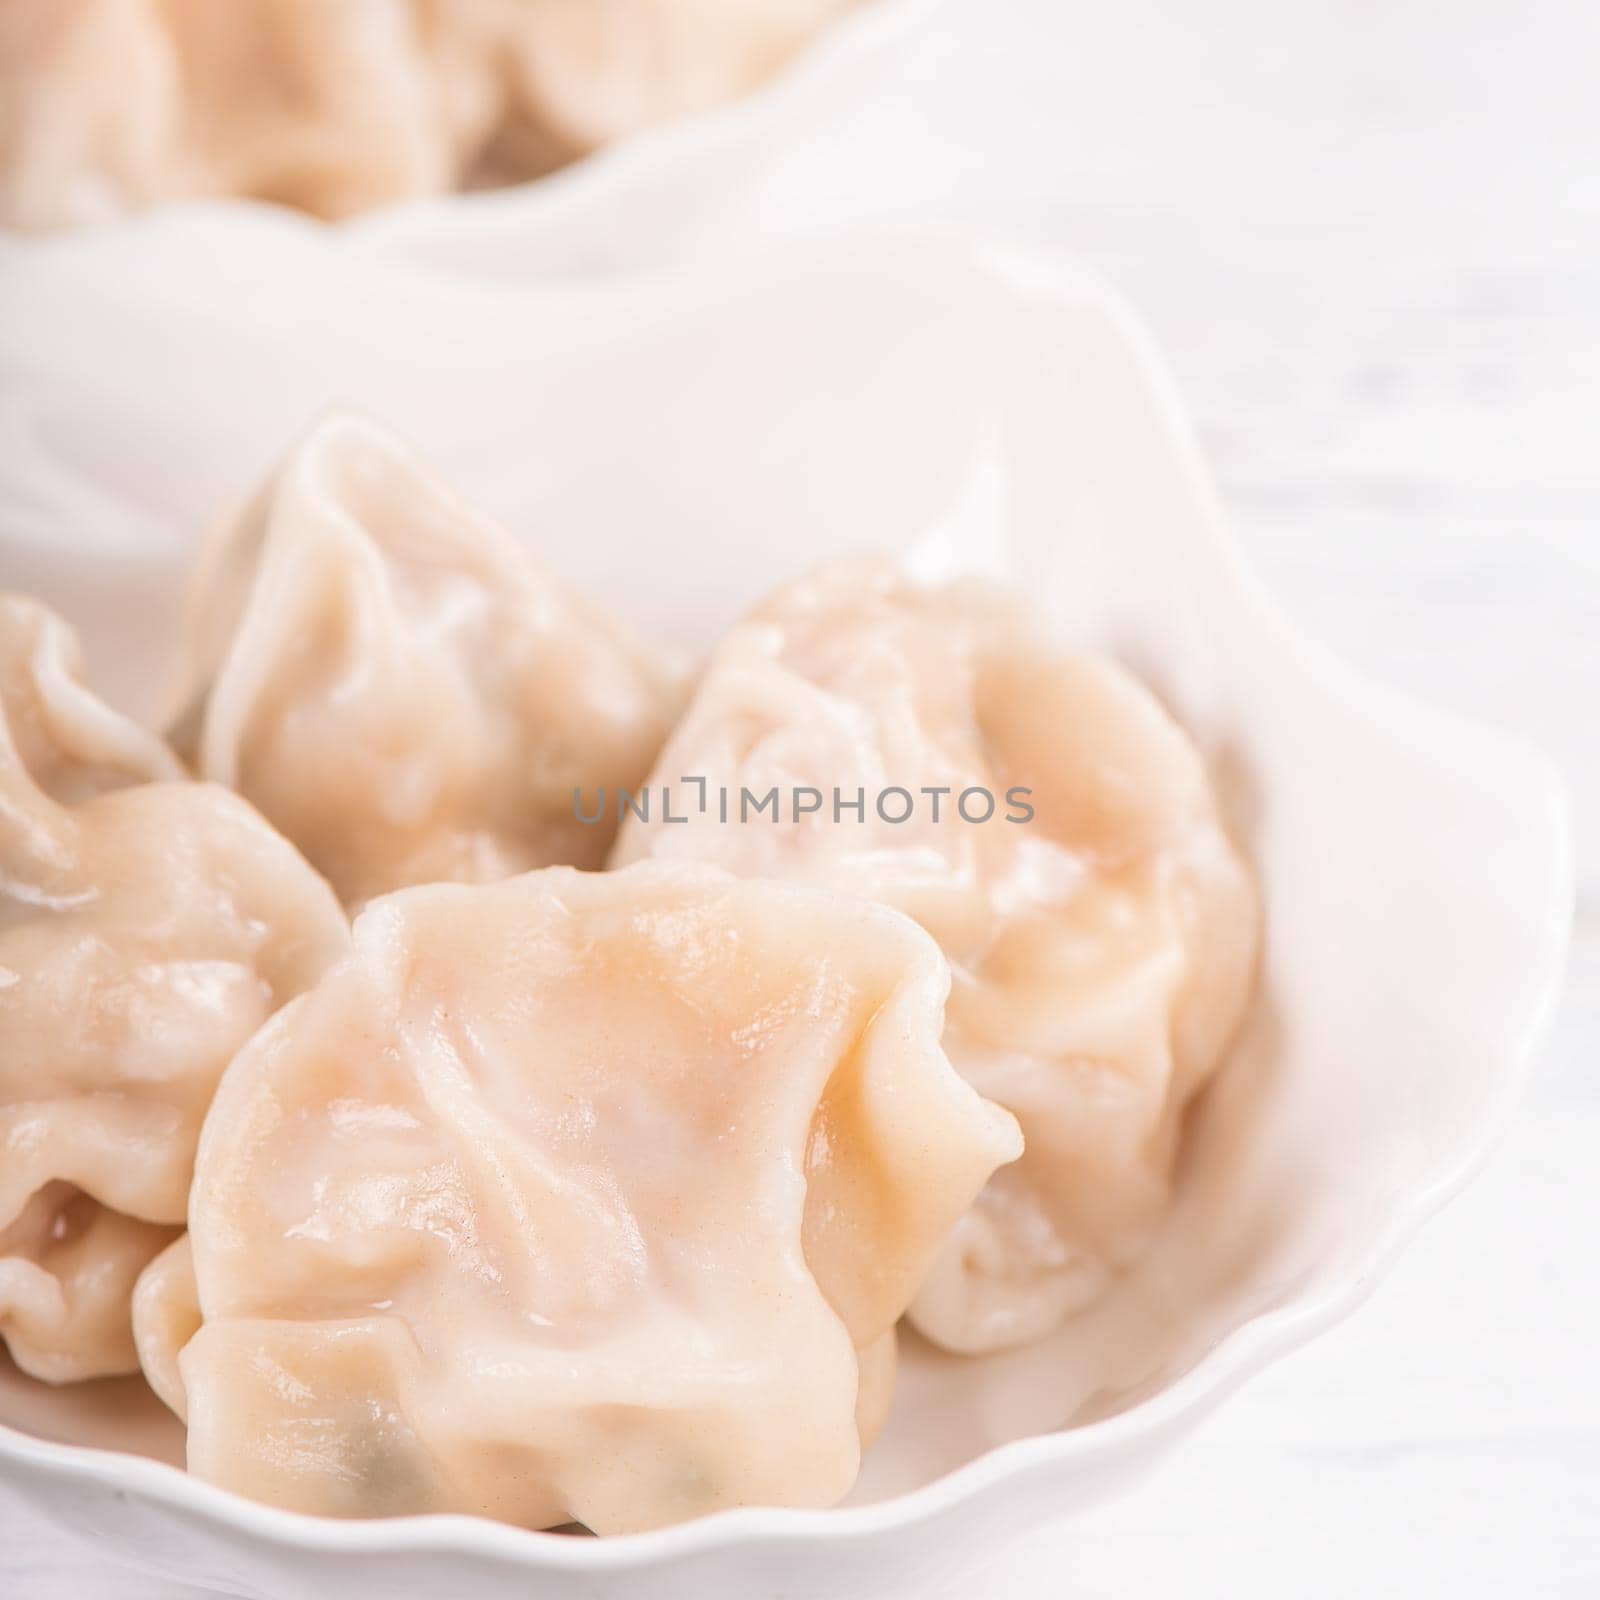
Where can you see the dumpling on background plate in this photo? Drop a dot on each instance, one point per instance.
(402, 688)
(1053, 828)
(337, 106)
(115, 105)
(578, 1196)
(148, 925)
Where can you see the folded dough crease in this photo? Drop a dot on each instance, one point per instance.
(148, 925)
(588, 1197)
(1100, 924)
(400, 686)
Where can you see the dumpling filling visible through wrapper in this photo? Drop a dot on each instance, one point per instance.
(574, 1197)
(1103, 949)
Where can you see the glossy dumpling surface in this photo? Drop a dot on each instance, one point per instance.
(400, 687)
(585, 1197)
(1102, 949)
(148, 925)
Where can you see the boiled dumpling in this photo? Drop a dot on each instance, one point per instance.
(335, 106)
(113, 105)
(1101, 926)
(584, 1197)
(147, 926)
(68, 1266)
(400, 687)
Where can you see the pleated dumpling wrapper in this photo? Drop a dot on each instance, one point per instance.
(115, 105)
(148, 925)
(1102, 928)
(399, 686)
(584, 1197)
(337, 106)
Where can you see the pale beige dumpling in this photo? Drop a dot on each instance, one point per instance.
(587, 1197)
(337, 106)
(110, 106)
(1103, 947)
(400, 687)
(148, 925)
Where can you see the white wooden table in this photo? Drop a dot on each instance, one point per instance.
(1369, 235)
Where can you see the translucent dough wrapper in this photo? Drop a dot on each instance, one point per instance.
(576, 1197)
(1102, 927)
(148, 925)
(400, 687)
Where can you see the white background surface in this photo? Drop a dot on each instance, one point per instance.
(1368, 233)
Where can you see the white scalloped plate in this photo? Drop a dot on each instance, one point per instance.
(679, 445)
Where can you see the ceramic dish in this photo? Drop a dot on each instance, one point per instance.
(678, 446)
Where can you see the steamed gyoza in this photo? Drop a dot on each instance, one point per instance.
(586, 1197)
(147, 926)
(1102, 945)
(334, 106)
(401, 687)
